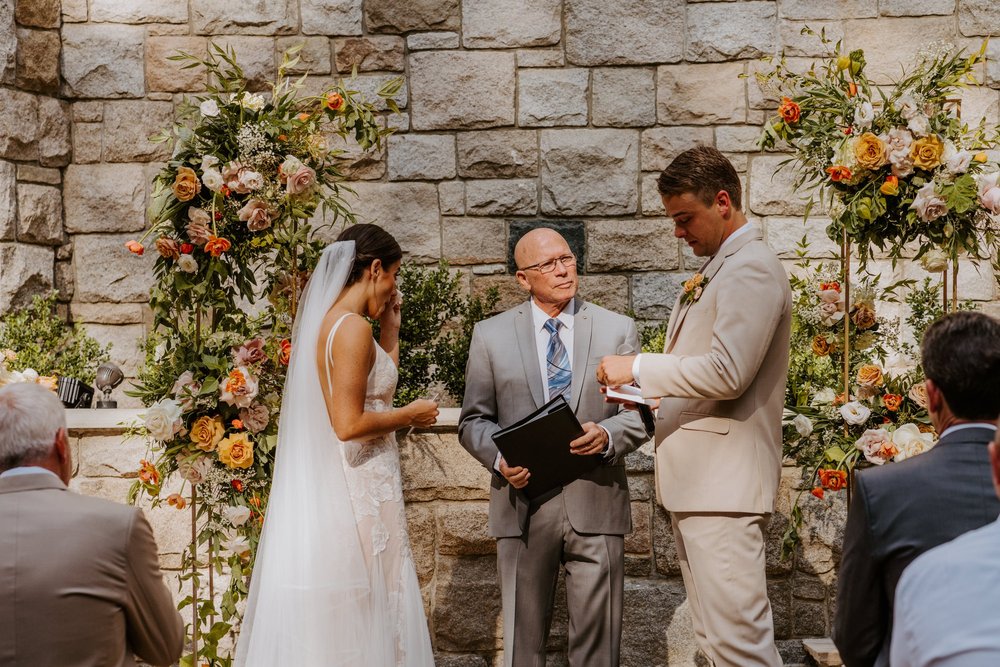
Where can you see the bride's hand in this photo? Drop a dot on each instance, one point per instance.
(422, 412)
(391, 316)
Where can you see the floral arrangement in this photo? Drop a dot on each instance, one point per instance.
(231, 228)
(883, 417)
(896, 166)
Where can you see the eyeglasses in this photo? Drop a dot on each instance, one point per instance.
(567, 261)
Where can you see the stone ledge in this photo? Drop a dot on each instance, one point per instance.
(823, 651)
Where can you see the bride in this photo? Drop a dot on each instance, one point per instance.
(334, 581)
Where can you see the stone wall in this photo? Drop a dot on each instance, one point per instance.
(447, 493)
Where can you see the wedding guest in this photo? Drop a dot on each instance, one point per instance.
(518, 360)
(901, 510)
(722, 378)
(80, 581)
(947, 611)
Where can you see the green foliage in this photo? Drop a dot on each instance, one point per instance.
(436, 331)
(47, 343)
(653, 337)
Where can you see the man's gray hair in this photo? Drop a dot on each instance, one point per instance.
(30, 418)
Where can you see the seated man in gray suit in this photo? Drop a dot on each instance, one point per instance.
(946, 612)
(901, 510)
(80, 582)
(518, 360)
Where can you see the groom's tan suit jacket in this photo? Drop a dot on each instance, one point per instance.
(723, 374)
(80, 582)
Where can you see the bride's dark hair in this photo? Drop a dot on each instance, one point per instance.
(371, 242)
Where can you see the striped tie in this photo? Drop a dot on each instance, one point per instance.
(559, 372)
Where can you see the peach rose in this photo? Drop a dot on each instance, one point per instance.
(135, 248)
(207, 432)
(257, 214)
(168, 248)
(871, 375)
(918, 394)
(236, 451)
(175, 500)
(870, 151)
(863, 316)
(301, 180)
(926, 152)
(186, 184)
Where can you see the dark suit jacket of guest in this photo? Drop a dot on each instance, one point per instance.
(898, 512)
(80, 581)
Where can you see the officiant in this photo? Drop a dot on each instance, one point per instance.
(518, 361)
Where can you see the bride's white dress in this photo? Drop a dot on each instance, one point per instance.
(333, 581)
(374, 480)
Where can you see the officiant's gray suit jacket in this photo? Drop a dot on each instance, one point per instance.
(504, 385)
(898, 512)
(80, 582)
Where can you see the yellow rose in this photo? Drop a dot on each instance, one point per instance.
(870, 151)
(207, 432)
(236, 451)
(186, 185)
(926, 152)
(869, 374)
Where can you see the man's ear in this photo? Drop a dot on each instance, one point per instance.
(935, 399)
(522, 280)
(62, 451)
(724, 202)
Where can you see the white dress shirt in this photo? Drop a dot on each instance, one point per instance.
(27, 470)
(947, 611)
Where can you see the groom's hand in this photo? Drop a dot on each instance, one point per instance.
(615, 371)
(518, 476)
(593, 440)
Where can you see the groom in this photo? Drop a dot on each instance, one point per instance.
(718, 433)
(518, 360)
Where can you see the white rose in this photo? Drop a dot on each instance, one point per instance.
(908, 107)
(199, 215)
(237, 515)
(873, 443)
(864, 114)
(208, 161)
(209, 108)
(824, 396)
(803, 425)
(854, 413)
(910, 441)
(934, 261)
(252, 101)
(29, 375)
(928, 204)
(187, 264)
(194, 471)
(956, 161)
(288, 168)
(212, 178)
(251, 180)
(919, 125)
(238, 545)
(163, 419)
(845, 154)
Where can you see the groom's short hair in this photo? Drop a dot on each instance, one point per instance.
(960, 353)
(704, 172)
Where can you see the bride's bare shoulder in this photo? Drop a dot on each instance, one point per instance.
(354, 335)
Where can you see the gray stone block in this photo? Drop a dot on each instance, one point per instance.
(29, 173)
(414, 157)
(370, 54)
(104, 198)
(138, 11)
(74, 11)
(473, 240)
(8, 202)
(607, 291)
(623, 97)
(728, 31)
(8, 43)
(978, 17)
(510, 23)
(54, 145)
(540, 58)
(501, 197)
(27, 271)
(87, 140)
(589, 172)
(398, 16)
(498, 154)
(660, 145)
(255, 56)
(772, 188)
(408, 211)
(39, 214)
(784, 235)
(103, 60)
(451, 197)
(331, 17)
(128, 126)
(654, 294)
(18, 131)
(228, 17)
(105, 271)
(548, 97)
(461, 90)
(170, 75)
(832, 9)
(700, 94)
(659, 624)
(652, 203)
(461, 584)
(628, 32)
(314, 56)
(631, 245)
(796, 43)
(426, 41)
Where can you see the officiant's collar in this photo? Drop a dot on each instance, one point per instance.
(539, 317)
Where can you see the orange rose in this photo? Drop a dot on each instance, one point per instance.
(871, 375)
(818, 492)
(284, 352)
(236, 451)
(892, 402)
(870, 151)
(135, 248)
(789, 110)
(334, 101)
(186, 184)
(831, 479)
(175, 500)
(148, 473)
(826, 286)
(206, 433)
(839, 173)
(891, 186)
(216, 245)
(926, 152)
(820, 346)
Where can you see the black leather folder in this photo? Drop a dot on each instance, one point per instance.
(540, 443)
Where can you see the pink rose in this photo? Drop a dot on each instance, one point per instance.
(928, 205)
(232, 174)
(257, 215)
(255, 417)
(250, 352)
(301, 180)
(876, 445)
(990, 199)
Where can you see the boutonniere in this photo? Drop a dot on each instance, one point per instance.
(693, 287)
